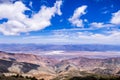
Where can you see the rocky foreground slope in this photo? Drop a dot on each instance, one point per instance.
(48, 68)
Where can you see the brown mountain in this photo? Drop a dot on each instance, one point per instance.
(48, 68)
(91, 65)
(27, 64)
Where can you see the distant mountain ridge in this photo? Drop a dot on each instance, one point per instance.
(48, 47)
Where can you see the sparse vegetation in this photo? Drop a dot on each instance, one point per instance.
(96, 78)
(16, 77)
(89, 77)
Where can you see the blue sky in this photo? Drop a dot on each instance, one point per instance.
(60, 21)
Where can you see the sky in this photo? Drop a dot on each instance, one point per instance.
(60, 21)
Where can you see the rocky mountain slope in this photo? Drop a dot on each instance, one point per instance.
(48, 68)
(27, 64)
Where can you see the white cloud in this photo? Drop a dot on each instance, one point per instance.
(112, 38)
(75, 19)
(100, 25)
(31, 3)
(77, 37)
(116, 18)
(19, 22)
(68, 37)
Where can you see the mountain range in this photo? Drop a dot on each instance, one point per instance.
(50, 47)
(50, 68)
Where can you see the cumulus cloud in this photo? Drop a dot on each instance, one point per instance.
(18, 22)
(116, 18)
(75, 19)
